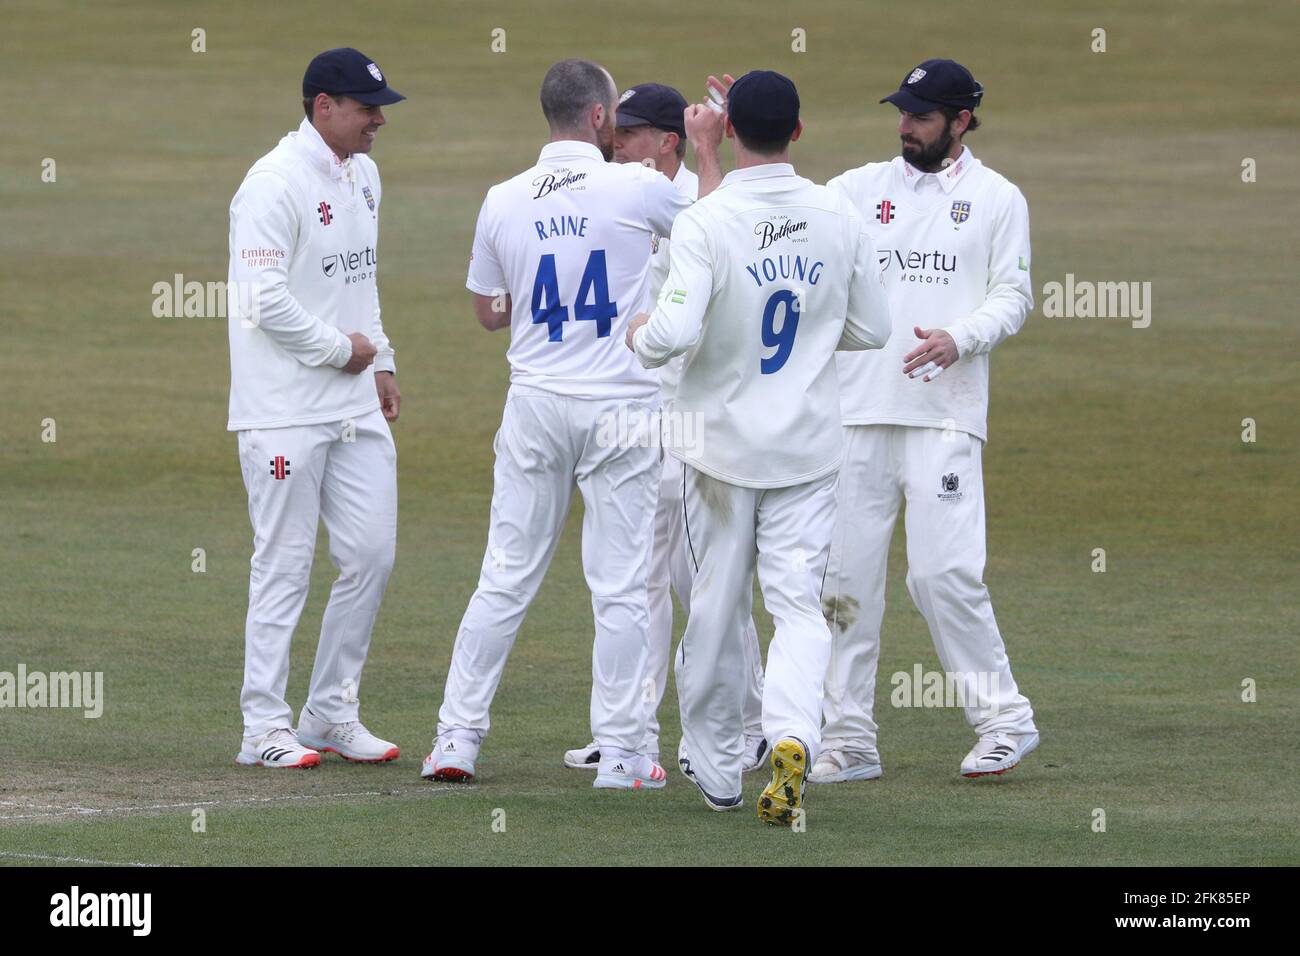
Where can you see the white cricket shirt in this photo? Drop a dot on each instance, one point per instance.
(954, 253)
(770, 274)
(568, 240)
(688, 184)
(304, 234)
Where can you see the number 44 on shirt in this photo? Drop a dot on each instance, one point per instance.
(594, 285)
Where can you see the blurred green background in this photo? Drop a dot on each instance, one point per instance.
(1102, 435)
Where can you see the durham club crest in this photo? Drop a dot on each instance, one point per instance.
(960, 211)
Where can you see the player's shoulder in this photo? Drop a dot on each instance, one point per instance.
(1004, 191)
(717, 206)
(368, 166)
(830, 200)
(637, 172)
(634, 179)
(864, 178)
(702, 213)
(268, 181)
(509, 193)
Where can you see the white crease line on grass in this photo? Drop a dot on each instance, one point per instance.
(67, 859)
(191, 804)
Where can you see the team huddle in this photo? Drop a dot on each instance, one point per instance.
(741, 374)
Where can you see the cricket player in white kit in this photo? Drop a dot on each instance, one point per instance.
(312, 389)
(770, 275)
(954, 240)
(560, 258)
(650, 129)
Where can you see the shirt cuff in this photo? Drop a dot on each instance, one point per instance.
(638, 346)
(384, 363)
(962, 338)
(342, 351)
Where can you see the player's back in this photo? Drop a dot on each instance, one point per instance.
(790, 261)
(569, 240)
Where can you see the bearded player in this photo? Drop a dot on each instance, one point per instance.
(954, 241)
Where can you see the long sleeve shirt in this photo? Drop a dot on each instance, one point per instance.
(304, 234)
(954, 254)
(769, 275)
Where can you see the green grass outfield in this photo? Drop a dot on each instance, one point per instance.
(1103, 436)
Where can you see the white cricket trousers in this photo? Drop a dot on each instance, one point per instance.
(545, 444)
(727, 527)
(938, 472)
(670, 573)
(346, 474)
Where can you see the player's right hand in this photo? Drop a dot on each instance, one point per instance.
(363, 354)
(704, 128)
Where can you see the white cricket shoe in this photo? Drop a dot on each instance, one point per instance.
(623, 771)
(840, 766)
(452, 759)
(755, 752)
(350, 739)
(276, 748)
(998, 753)
(583, 758)
(720, 804)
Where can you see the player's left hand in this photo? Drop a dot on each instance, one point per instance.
(717, 90)
(935, 353)
(390, 399)
(638, 320)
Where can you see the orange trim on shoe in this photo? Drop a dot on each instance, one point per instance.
(990, 773)
(306, 763)
(452, 775)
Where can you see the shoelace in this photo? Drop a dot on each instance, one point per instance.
(349, 730)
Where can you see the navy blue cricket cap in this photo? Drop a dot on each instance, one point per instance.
(763, 105)
(935, 84)
(652, 104)
(348, 72)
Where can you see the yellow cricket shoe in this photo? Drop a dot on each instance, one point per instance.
(784, 795)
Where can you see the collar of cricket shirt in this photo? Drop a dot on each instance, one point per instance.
(946, 178)
(322, 157)
(762, 171)
(570, 149)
